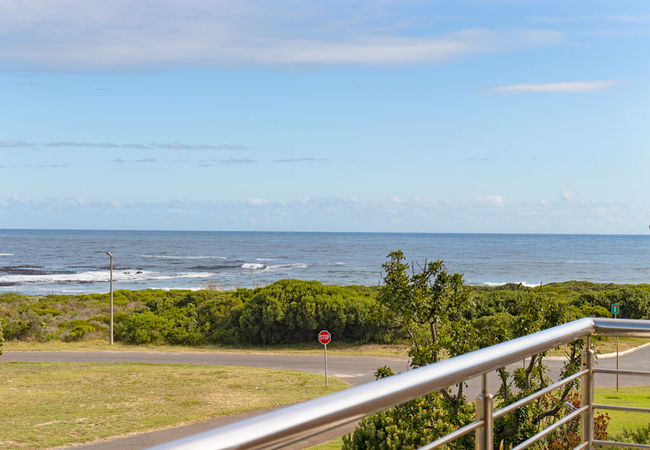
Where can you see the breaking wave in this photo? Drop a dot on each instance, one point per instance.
(96, 277)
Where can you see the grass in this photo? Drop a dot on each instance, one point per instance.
(606, 345)
(46, 405)
(638, 396)
(334, 444)
(397, 350)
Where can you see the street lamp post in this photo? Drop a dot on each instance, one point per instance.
(110, 339)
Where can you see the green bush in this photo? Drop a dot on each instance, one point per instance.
(45, 311)
(17, 330)
(74, 330)
(218, 315)
(638, 436)
(143, 328)
(293, 311)
(79, 331)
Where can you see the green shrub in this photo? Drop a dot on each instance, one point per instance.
(218, 316)
(74, 330)
(293, 311)
(638, 436)
(44, 311)
(79, 331)
(17, 330)
(143, 328)
(411, 425)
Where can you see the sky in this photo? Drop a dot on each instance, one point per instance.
(443, 116)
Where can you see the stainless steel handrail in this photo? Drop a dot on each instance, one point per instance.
(297, 422)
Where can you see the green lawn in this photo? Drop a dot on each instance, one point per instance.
(335, 444)
(637, 396)
(53, 404)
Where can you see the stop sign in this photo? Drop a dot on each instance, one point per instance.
(324, 337)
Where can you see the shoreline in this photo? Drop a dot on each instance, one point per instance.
(208, 285)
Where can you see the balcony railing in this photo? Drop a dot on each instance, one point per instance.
(294, 423)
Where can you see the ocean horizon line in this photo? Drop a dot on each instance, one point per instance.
(436, 233)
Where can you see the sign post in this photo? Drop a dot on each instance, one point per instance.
(615, 311)
(324, 337)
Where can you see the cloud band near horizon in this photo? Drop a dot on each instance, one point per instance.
(566, 86)
(14, 143)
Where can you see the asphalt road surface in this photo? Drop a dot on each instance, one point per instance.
(352, 369)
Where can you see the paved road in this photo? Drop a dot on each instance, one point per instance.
(354, 370)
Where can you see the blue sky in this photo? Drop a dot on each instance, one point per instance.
(414, 116)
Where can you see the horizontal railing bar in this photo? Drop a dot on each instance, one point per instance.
(454, 435)
(619, 444)
(621, 328)
(527, 443)
(297, 422)
(524, 401)
(622, 408)
(581, 446)
(623, 372)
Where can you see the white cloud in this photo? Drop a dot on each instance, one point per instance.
(620, 18)
(566, 86)
(250, 201)
(492, 200)
(78, 35)
(169, 146)
(327, 214)
(568, 194)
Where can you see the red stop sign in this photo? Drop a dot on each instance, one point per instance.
(324, 337)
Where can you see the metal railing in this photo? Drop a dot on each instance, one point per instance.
(294, 423)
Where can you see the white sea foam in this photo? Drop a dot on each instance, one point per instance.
(523, 283)
(252, 266)
(6, 254)
(189, 288)
(186, 275)
(279, 267)
(339, 264)
(98, 277)
(263, 259)
(183, 257)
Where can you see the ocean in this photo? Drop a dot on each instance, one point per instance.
(73, 261)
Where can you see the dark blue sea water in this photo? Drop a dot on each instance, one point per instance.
(54, 261)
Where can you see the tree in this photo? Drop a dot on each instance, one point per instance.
(437, 311)
(425, 303)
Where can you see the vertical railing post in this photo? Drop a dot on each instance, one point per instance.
(484, 411)
(588, 395)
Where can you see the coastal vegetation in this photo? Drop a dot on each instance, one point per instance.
(288, 312)
(439, 315)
